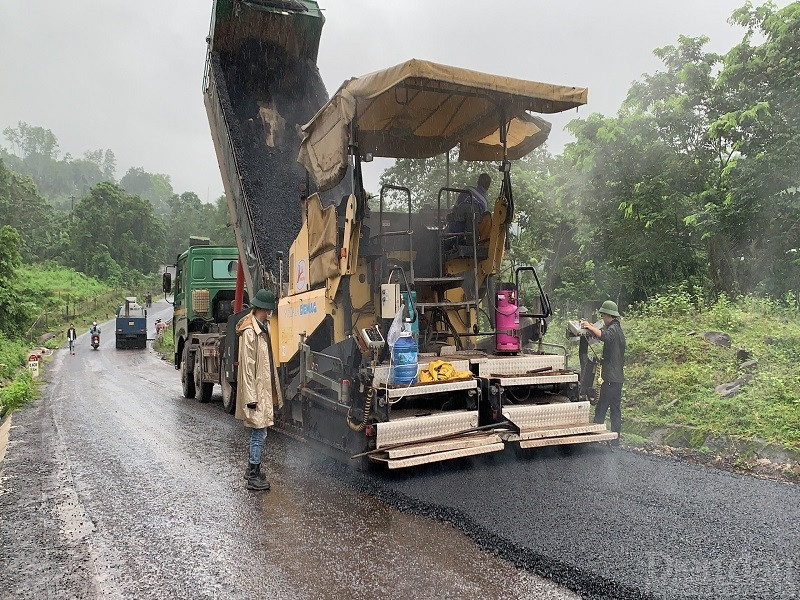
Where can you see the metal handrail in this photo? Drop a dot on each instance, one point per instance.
(408, 232)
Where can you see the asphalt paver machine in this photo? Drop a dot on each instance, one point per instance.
(360, 264)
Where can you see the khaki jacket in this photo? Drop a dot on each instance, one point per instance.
(257, 378)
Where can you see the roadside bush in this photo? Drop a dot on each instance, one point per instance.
(13, 356)
(165, 345)
(19, 391)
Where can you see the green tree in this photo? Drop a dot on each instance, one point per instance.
(14, 311)
(154, 187)
(41, 229)
(114, 228)
(424, 177)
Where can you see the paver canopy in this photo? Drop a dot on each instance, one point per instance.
(420, 109)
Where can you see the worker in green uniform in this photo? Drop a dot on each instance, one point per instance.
(613, 339)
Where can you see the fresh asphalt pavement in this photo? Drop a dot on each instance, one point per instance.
(618, 524)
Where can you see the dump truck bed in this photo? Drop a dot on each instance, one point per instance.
(261, 85)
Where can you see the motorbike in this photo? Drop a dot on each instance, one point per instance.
(95, 340)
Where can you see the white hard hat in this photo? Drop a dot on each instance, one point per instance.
(94, 322)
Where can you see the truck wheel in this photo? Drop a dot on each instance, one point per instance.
(203, 388)
(142, 341)
(228, 395)
(187, 374)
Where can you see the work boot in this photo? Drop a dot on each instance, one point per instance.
(257, 481)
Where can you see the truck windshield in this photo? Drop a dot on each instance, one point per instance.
(224, 268)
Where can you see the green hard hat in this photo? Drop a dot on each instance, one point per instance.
(609, 308)
(263, 299)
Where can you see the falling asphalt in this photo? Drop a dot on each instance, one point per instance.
(115, 486)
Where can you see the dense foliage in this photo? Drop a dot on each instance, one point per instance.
(16, 384)
(695, 181)
(73, 212)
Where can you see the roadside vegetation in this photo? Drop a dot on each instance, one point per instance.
(16, 383)
(672, 370)
(165, 345)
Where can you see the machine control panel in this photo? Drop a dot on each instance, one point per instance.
(372, 337)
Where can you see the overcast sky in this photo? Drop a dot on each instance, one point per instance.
(128, 75)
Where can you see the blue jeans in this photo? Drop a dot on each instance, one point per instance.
(257, 438)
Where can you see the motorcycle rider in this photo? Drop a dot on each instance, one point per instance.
(95, 330)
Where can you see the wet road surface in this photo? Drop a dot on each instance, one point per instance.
(115, 486)
(618, 524)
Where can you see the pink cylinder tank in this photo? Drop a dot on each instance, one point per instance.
(507, 320)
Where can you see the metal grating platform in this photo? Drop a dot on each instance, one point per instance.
(561, 414)
(438, 456)
(467, 441)
(538, 379)
(572, 439)
(420, 428)
(431, 388)
(516, 365)
(548, 432)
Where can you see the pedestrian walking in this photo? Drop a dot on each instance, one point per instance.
(613, 339)
(257, 384)
(72, 335)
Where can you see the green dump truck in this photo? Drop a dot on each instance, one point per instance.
(204, 290)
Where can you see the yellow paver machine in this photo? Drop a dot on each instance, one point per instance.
(381, 350)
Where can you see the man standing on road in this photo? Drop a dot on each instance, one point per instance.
(71, 337)
(257, 386)
(613, 340)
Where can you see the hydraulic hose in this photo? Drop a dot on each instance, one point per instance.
(367, 407)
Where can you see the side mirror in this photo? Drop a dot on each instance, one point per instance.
(166, 282)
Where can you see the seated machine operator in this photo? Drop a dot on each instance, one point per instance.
(472, 202)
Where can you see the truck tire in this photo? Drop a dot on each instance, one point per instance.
(228, 395)
(203, 388)
(187, 373)
(142, 337)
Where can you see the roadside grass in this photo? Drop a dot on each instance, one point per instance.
(166, 345)
(671, 370)
(53, 286)
(16, 384)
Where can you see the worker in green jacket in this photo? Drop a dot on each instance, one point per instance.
(613, 339)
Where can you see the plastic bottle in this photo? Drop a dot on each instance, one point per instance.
(404, 357)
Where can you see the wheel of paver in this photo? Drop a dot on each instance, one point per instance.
(203, 388)
(187, 374)
(228, 396)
